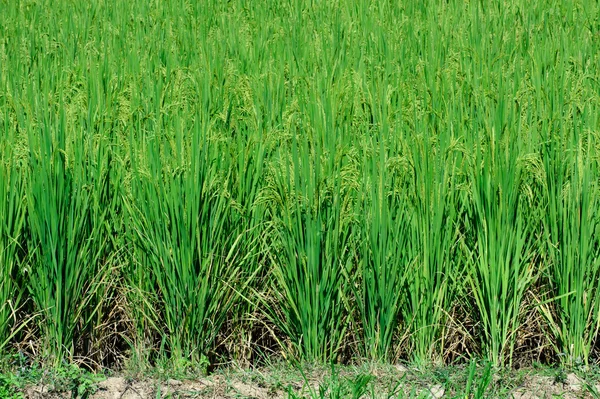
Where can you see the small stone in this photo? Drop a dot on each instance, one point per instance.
(173, 382)
(436, 391)
(524, 395)
(205, 382)
(573, 382)
(400, 368)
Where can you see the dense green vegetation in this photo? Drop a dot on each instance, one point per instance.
(319, 180)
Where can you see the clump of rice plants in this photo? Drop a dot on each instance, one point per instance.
(68, 211)
(571, 235)
(313, 254)
(434, 243)
(385, 255)
(12, 224)
(322, 180)
(501, 267)
(191, 257)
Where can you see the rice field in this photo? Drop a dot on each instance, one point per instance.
(325, 181)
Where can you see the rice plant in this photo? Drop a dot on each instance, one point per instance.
(570, 226)
(434, 242)
(12, 234)
(68, 208)
(501, 267)
(386, 255)
(192, 256)
(312, 260)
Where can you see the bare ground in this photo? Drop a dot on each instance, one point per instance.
(261, 385)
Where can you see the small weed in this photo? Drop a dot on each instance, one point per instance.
(336, 387)
(560, 376)
(66, 378)
(9, 387)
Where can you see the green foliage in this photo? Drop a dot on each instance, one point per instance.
(501, 270)
(70, 203)
(336, 387)
(9, 387)
(183, 224)
(313, 262)
(65, 378)
(571, 237)
(429, 290)
(385, 257)
(193, 180)
(12, 211)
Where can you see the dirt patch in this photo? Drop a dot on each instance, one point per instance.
(275, 384)
(120, 388)
(541, 387)
(249, 391)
